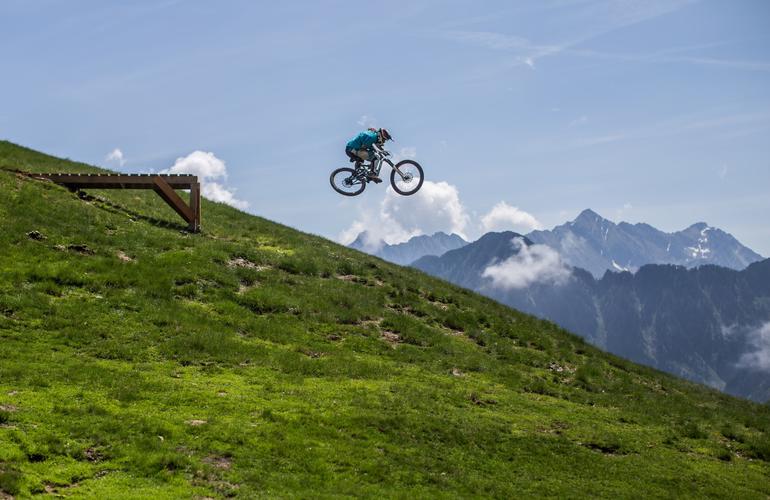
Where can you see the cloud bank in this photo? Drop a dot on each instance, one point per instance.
(504, 217)
(758, 358)
(531, 264)
(436, 207)
(212, 172)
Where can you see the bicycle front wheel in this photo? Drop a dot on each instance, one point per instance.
(410, 178)
(345, 181)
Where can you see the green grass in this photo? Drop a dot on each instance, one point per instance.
(253, 360)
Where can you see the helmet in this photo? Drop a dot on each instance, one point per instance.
(384, 135)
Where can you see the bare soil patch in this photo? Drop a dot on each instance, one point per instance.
(391, 338)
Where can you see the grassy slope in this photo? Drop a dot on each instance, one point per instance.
(306, 368)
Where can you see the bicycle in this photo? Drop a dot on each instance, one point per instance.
(406, 177)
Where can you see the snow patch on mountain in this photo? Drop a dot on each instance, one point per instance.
(618, 267)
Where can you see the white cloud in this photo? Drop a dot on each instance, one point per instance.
(436, 207)
(367, 121)
(204, 165)
(531, 264)
(211, 172)
(116, 155)
(759, 356)
(504, 217)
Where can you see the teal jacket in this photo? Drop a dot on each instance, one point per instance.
(364, 140)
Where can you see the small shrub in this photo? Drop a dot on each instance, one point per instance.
(345, 268)
(759, 448)
(588, 375)
(724, 455)
(540, 386)
(731, 432)
(196, 347)
(692, 430)
(298, 265)
(10, 481)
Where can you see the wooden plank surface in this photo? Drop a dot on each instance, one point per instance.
(118, 181)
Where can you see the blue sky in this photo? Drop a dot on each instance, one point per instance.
(654, 111)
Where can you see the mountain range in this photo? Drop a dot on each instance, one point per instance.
(596, 244)
(706, 324)
(407, 252)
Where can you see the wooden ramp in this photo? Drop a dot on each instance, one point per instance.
(163, 184)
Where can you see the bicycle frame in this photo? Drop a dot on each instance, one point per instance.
(381, 156)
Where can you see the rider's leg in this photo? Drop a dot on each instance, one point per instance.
(362, 154)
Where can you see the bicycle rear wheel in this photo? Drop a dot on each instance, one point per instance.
(345, 181)
(410, 180)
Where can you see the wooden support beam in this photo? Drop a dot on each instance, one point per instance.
(163, 184)
(169, 196)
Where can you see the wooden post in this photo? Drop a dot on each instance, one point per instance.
(195, 206)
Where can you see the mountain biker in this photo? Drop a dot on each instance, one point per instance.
(361, 148)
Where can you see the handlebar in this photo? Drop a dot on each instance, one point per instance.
(380, 150)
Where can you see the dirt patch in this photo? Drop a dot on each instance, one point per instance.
(8, 408)
(92, 454)
(312, 354)
(369, 322)
(557, 368)
(56, 489)
(391, 338)
(80, 248)
(218, 462)
(454, 333)
(352, 278)
(122, 256)
(196, 422)
(479, 401)
(556, 427)
(245, 264)
(605, 448)
(245, 286)
(36, 235)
